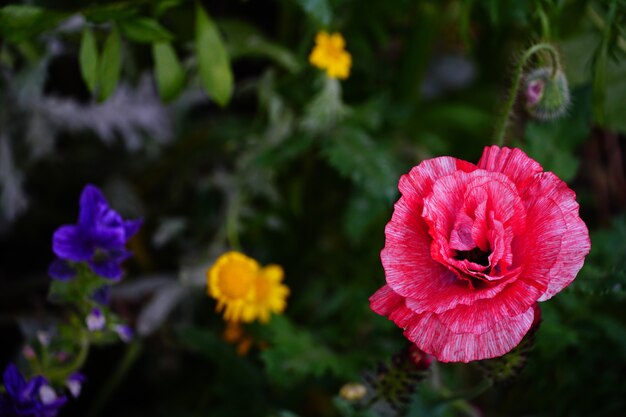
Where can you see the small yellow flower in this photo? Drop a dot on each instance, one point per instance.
(245, 291)
(269, 293)
(231, 282)
(329, 54)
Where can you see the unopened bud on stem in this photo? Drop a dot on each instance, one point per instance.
(547, 94)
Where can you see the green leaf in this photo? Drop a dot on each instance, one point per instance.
(19, 23)
(110, 12)
(294, 354)
(356, 156)
(213, 63)
(88, 58)
(168, 71)
(162, 6)
(146, 30)
(318, 10)
(110, 65)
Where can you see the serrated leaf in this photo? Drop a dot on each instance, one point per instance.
(294, 354)
(146, 30)
(356, 156)
(318, 10)
(168, 71)
(88, 58)
(21, 22)
(213, 62)
(110, 65)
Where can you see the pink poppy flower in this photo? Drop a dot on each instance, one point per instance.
(470, 249)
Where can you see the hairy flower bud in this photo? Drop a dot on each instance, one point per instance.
(547, 94)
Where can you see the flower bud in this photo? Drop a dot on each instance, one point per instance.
(419, 358)
(547, 94)
(29, 352)
(95, 320)
(353, 391)
(124, 332)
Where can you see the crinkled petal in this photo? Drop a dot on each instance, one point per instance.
(406, 255)
(385, 301)
(513, 163)
(61, 270)
(69, 242)
(435, 338)
(553, 209)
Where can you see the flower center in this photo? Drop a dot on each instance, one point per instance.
(475, 255)
(235, 281)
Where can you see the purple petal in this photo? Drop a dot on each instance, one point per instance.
(108, 238)
(109, 269)
(95, 320)
(131, 227)
(61, 270)
(69, 242)
(13, 381)
(91, 202)
(107, 217)
(124, 332)
(52, 409)
(33, 385)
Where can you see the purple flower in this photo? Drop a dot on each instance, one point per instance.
(95, 320)
(74, 383)
(124, 332)
(99, 239)
(32, 398)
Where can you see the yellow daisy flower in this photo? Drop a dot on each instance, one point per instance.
(245, 291)
(269, 293)
(231, 282)
(329, 54)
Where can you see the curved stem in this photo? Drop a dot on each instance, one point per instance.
(503, 122)
(60, 374)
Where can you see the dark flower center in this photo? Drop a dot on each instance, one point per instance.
(475, 255)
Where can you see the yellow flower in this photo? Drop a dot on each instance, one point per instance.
(269, 294)
(329, 54)
(245, 291)
(231, 282)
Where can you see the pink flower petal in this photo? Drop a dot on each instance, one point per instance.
(433, 337)
(513, 163)
(543, 197)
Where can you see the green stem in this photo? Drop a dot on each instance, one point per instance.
(60, 374)
(503, 122)
(232, 220)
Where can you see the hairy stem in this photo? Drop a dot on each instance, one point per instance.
(503, 122)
